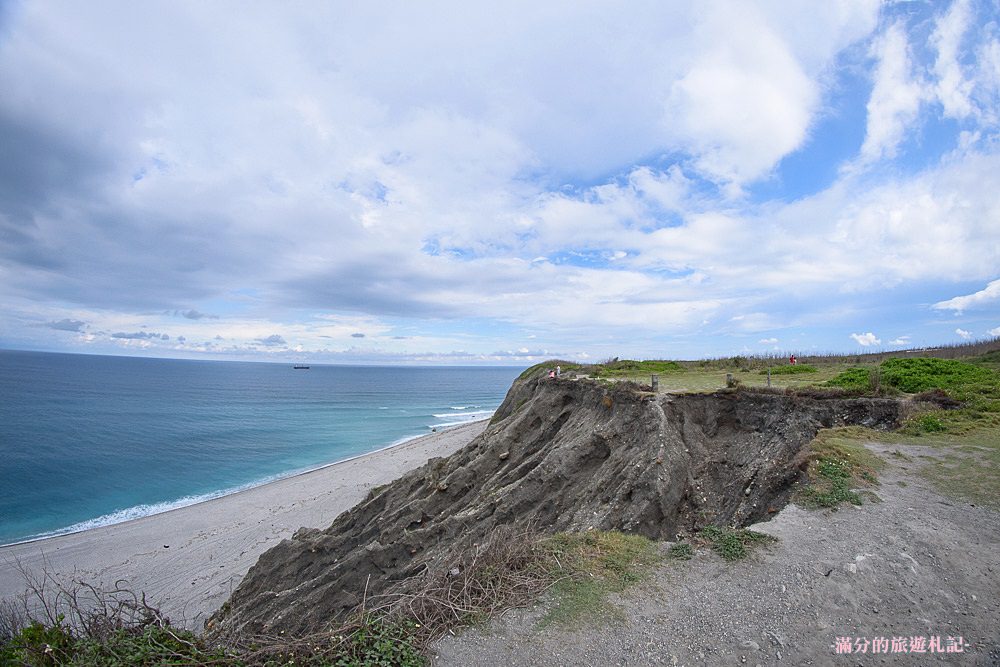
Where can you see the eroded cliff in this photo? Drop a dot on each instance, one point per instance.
(559, 455)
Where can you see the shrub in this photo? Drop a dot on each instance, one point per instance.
(923, 374)
(853, 379)
(681, 551)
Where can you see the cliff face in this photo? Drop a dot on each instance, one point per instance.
(559, 455)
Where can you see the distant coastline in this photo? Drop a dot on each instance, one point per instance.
(90, 441)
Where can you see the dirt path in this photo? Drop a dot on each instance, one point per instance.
(917, 565)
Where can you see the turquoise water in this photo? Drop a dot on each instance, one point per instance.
(90, 440)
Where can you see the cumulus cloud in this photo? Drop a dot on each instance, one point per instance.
(866, 339)
(963, 334)
(994, 332)
(67, 325)
(768, 341)
(983, 297)
(900, 341)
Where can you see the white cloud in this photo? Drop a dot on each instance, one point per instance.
(866, 339)
(768, 341)
(751, 81)
(952, 89)
(987, 91)
(983, 297)
(895, 99)
(900, 341)
(963, 334)
(994, 332)
(744, 104)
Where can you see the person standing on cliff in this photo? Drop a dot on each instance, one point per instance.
(558, 371)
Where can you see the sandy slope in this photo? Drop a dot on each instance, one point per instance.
(188, 560)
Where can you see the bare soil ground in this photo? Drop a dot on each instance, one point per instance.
(915, 565)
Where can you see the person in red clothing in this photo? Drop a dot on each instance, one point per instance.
(792, 360)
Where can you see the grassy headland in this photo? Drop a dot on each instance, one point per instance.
(955, 393)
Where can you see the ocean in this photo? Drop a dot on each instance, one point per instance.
(87, 441)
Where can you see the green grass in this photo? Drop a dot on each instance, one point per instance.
(789, 369)
(733, 544)
(630, 368)
(594, 565)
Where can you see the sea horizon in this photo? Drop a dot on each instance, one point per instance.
(93, 440)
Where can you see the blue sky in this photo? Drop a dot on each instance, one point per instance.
(463, 183)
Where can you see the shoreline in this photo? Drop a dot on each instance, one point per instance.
(189, 559)
(224, 493)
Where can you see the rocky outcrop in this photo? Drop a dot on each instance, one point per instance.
(559, 455)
